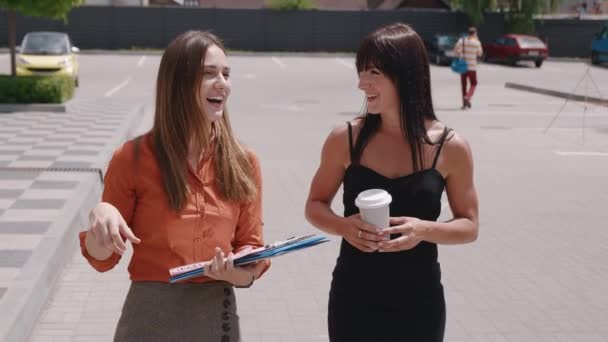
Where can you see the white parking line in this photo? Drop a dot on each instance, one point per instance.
(141, 61)
(582, 153)
(118, 87)
(342, 62)
(279, 62)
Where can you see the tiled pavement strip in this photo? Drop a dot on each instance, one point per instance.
(50, 169)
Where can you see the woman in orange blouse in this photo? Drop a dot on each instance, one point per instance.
(185, 192)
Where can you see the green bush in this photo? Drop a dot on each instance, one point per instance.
(289, 5)
(36, 89)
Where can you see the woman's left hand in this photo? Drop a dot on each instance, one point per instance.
(411, 234)
(222, 268)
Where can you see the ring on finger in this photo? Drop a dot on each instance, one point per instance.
(359, 233)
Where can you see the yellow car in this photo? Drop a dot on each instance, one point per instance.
(47, 53)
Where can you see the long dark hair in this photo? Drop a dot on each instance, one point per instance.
(399, 53)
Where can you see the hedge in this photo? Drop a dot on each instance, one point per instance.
(36, 89)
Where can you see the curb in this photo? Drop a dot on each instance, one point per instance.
(33, 107)
(27, 295)
(555, 93)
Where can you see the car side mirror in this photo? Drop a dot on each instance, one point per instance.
(75, 49)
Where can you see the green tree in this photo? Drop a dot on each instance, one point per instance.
(53, 9)
(290, 5)
(519, 13)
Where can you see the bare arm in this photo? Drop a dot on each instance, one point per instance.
(326, 182)
(328, 178)
(462, 197)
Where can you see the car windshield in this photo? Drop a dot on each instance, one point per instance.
(45, 44)
(530, 42)
(447, 41)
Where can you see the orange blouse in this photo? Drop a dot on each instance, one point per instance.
(170, 239)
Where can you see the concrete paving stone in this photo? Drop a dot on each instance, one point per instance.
(59, 139)
(38, 204)
(33, 135)
(36, 158)
(91, 144)
(70, 152)
(6, 203)
(19, 241)
(31, 164)
(28, 214)
(27, 143)
(24, 227)
(11, 152)
(10, 193)
(51, 146)
(71, 164)
(44, 152)
(14, 258)
(48, 184)
(13, 147)
(77, 159)
(46, 194)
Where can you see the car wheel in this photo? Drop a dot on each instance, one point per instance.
(512, 61)
(595, 59)
(538, 63)
(485, 58)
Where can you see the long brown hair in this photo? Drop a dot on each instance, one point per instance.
(179, 121)
(399, 52)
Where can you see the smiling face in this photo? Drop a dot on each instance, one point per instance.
(380, 91)
(215, 84)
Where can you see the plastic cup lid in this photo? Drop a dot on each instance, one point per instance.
(373, 198)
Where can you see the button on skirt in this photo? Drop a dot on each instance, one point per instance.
(155, 311)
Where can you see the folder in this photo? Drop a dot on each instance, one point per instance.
(250, 255)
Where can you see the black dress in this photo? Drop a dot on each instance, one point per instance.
(390, 296)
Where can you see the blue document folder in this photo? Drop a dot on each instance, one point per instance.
(269, 251)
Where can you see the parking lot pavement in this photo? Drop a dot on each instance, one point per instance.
(536, 272)
(51, 169)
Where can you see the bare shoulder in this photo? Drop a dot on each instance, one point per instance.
(336, 146)
(457, 151)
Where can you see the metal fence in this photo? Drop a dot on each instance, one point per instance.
(267, 30)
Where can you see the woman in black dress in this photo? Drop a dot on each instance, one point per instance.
(391, 290)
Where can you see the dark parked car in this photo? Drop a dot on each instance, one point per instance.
(512, 48)
(440, 48)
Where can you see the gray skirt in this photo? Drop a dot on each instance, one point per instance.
(155, 311)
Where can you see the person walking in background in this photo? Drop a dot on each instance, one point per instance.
(469, 48)
(386, 284)
(185, 192)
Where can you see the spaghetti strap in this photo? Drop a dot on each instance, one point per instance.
(350, 141)
(446, 131)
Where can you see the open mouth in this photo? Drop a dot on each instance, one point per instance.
(216, 100)
(371, 98)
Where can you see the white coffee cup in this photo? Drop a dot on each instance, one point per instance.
(374, 207)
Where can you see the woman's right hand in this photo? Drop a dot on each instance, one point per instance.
(106, 224)
(361, 234)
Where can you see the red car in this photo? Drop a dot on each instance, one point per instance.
(512, 48)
